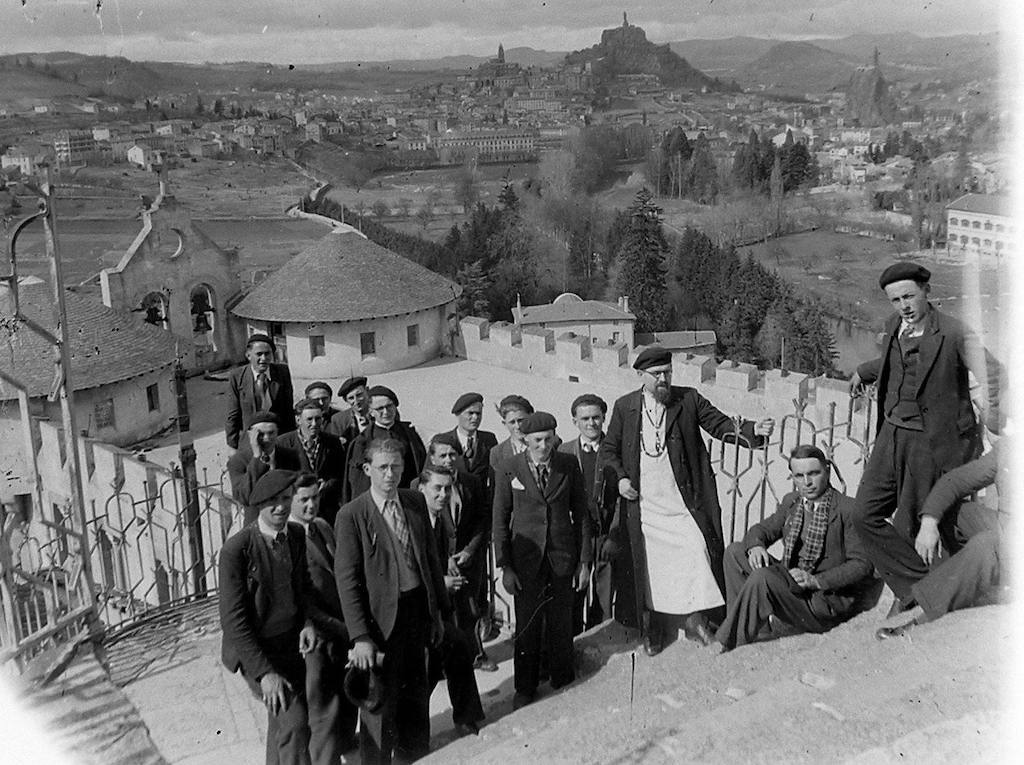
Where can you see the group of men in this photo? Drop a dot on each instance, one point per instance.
(390, 589)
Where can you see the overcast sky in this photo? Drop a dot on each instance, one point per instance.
(308, 31)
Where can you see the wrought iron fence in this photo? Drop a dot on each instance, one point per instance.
(141, 545)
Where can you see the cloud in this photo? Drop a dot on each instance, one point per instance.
(323, 30)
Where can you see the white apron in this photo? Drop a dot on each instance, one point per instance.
(679, 578)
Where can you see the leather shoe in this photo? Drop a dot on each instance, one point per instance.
(885, 633)
(485, 665)
(467, 729)
(520, 700)
(696, 629)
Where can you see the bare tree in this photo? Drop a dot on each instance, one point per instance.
(380, 209)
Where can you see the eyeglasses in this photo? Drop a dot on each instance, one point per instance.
(384, 408)
(665, 373)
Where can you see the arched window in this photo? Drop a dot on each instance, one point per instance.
(202, 306)
(154, 310)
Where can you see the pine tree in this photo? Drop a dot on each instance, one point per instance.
(642, 264)
(701, 181)
(775, 190)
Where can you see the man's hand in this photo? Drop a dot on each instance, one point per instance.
(626, 489)
(757, 557)
(805, 580)
(462, 558)
(454, 583)
(582, 579)
(308, 639)
(253, 434)
(363, 655)
(276, 692)
(764, 427)
(856, 386)
(927, 542)
(510, 581)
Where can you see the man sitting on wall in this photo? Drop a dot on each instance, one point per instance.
(820, 579)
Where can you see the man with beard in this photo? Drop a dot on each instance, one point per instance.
(386, 425)
(823, 571)
(319, 453)
(671, 519)
(926, 424)
(260, 386)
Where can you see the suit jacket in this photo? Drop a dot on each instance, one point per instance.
(531, 525)
(330, 468)
(844, 569)
(687, 413)
(320, 548)
(470, 533)
(480, 464)
(948, 350)
(242, 400)
(498, 456)
(356, 480)
(603, 493)
(343, 425)
(245, 589)
(244, 470)
(366, 569)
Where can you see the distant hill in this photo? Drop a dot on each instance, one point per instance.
(626, 50)
(720, 58)
(18, 83)
(524, 56)
(98, 75)
(797, 67)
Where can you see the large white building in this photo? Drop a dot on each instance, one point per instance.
(602, 322)
(347, 306)
(980, 225)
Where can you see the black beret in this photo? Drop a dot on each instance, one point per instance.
(350, 385)
(318, 385)
(364, 688)
(538, 422)
(899, 272)
(270, 485)
(589, 399)
(465, 401)
(653, 356)
(257, 417)
(260, 337)
(382, 390)
(516, 401)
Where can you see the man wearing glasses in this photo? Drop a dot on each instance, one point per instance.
(671, 519)
(386, 424)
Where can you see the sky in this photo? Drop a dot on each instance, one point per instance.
(317, 31)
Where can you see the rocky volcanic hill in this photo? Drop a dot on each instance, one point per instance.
(626, 50)
(868, 98)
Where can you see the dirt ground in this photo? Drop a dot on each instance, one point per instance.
(934, 697)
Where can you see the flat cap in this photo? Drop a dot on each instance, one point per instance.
(466, 400)
(515, 401)
(270, 485)
(899, 272)
(538, 422)
(652, 356)
(257, 417)
(260, 337)
(383, 390)
(318, 385)
(350, 385)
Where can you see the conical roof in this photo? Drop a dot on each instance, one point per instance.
(345, 277)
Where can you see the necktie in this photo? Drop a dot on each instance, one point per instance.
(470, 447)
(393, 515)
(263, 402)
(589, 446)
(542, 476)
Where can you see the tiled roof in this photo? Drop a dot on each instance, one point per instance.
(983, 204)
(107, 346)
(345, 277)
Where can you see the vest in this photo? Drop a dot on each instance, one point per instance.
(900, 406)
